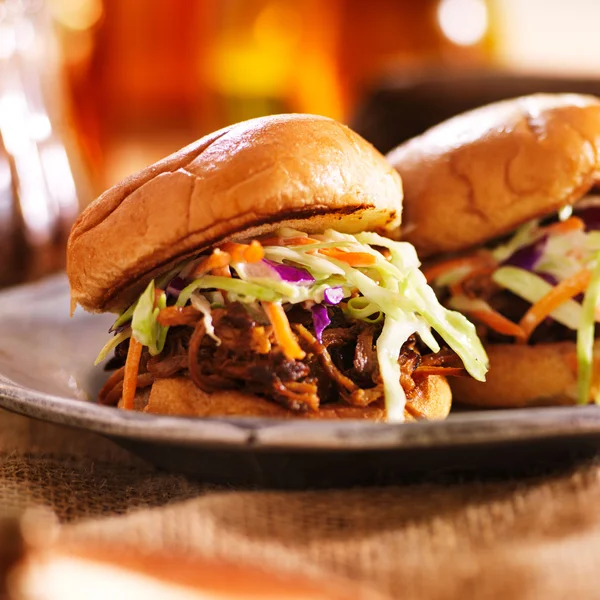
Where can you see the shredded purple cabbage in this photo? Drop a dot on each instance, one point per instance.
(320, 320)
(175, 286)
(290, 274)
(120, 328)
(528, 256)
(333, 295)
(548, 278)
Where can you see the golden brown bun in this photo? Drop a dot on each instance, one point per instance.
(483, 173)
(540, 375)
(248, 179)
(179, 396)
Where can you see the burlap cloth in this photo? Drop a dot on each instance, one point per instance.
(527, 538)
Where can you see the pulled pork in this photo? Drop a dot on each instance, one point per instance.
(344, 365)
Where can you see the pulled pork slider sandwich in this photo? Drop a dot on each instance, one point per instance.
(252, 277)
(498, 199)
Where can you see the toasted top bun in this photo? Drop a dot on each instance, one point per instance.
(485, 172)
(301, 171)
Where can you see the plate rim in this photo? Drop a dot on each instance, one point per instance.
(465, 429)
(477, 428)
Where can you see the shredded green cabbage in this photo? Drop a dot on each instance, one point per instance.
(360, 308)
(319, 266)
(456, 330)
(464, 304)
(125, 316)
(525, 235)
(112, 344)
(244, 291)
(145, 328)
(393, 290)
(389, 344)
(403, 290)
(533, 288)
(585, 338)
(199, 302)
(295, 293)
(564, 254)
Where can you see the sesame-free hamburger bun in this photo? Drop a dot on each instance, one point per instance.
(483, 173)
(470, 183)
(248, 179)
(256, 273)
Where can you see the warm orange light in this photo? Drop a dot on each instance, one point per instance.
(463, 22)
(78, 15)
(257, 61)
(278, 26)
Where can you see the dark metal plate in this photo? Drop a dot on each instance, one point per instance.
(46, 372)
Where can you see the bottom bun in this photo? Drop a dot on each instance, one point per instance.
(519, 376)
(179, 396)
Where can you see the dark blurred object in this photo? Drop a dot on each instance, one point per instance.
(41, 178)
(403, 105)
(12, 548)
(404, 35)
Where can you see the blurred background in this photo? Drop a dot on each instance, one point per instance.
(93, 90)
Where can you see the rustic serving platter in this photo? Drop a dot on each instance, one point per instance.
(47, 372)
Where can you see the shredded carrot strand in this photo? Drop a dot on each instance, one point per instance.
(235, 251)
(473, 262)
(567, 226)
(229, 252)
(216, 260)
(221, 271)
(557, 296)
(282, 330)
(494, 320)
(427, 370)
(354, 259)
(132, 365)
(290, 241)
(299, 241)
(252, 252)
(178, 315)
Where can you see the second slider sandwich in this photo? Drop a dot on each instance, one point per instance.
(251, 276)
(500, 201)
